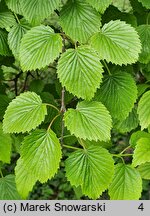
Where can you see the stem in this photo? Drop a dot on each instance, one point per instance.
(119, 156)
(71, 147)
(105, 64)
(17, 18)
(52, 121)
(147, 19)
(62, 110)
(51, 105)
(125, 149)
(82, 143)
(66, 136)
(1, 173)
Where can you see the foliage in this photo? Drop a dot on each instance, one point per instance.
(74, 99)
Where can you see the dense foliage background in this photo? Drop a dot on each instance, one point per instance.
(79, 70)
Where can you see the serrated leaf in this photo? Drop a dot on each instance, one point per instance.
(4, 101)
(41, 154)
(144, 170)
(80, 71)
(142, 88)
(8, 189)
(118, 93)
(144, 33)
(117, 42)
(90, 120)
(79, 20)
(14, 37)
(6, 19)
(24, 180)
(99, 5)
(24, 113)
(128, 124)
(144, 111)
(92, 168)
(14, 5)
(5, 146)
(136, 136)
(126, 184)
(142, 152)
(39, 47)
(145, 3)
(37, 10)
(4, 49)
(103, 144)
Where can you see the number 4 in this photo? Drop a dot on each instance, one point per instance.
(141, 207)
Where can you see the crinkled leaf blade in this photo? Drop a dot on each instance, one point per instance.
(24, 113)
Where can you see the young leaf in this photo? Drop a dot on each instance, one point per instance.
(36, 10)
(99, 5)
(14, 6)
(144, 111)
(144, 33)
(4, 49)
(24, 180)
(136, 136)
(145, 3)
(118, 93)
(6, 19)
(39, 47)
(8, 189)
(128, 124)
(92, 168)
(14, 37)
(41, 154)
(5, 146)
(126, 184)
(117, 42)
(142, 152)
(90, 120)
(79, 20)
(144, 170)
(24, 113)
(80, 71)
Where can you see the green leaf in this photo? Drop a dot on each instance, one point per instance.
(103, 144)
(14, 5)
(37, 10)
(41, 154)
(99, 5)
(8, 189)
(118, 93)
(126, 184)
(142, 88)
(24, 180)
(128, 124)
(145, 3)
(39, 47)
(80, 71)
(4, 101)
(24, 113)
(6, 19)
(144, 111)
(90, 120)
(79, 20)
(92, 168)
(117, 42)
(4, 49)
(144, 170)
(5, 146)
(136, 136)
(144, 33)
(142, 152)
(14, 37)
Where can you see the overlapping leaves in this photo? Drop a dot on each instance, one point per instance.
(117, 42)
(39, 47)
(99, 4)
(79, 20)
(90, 120)
(92, 168)
(24, 113)
(80, 71)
